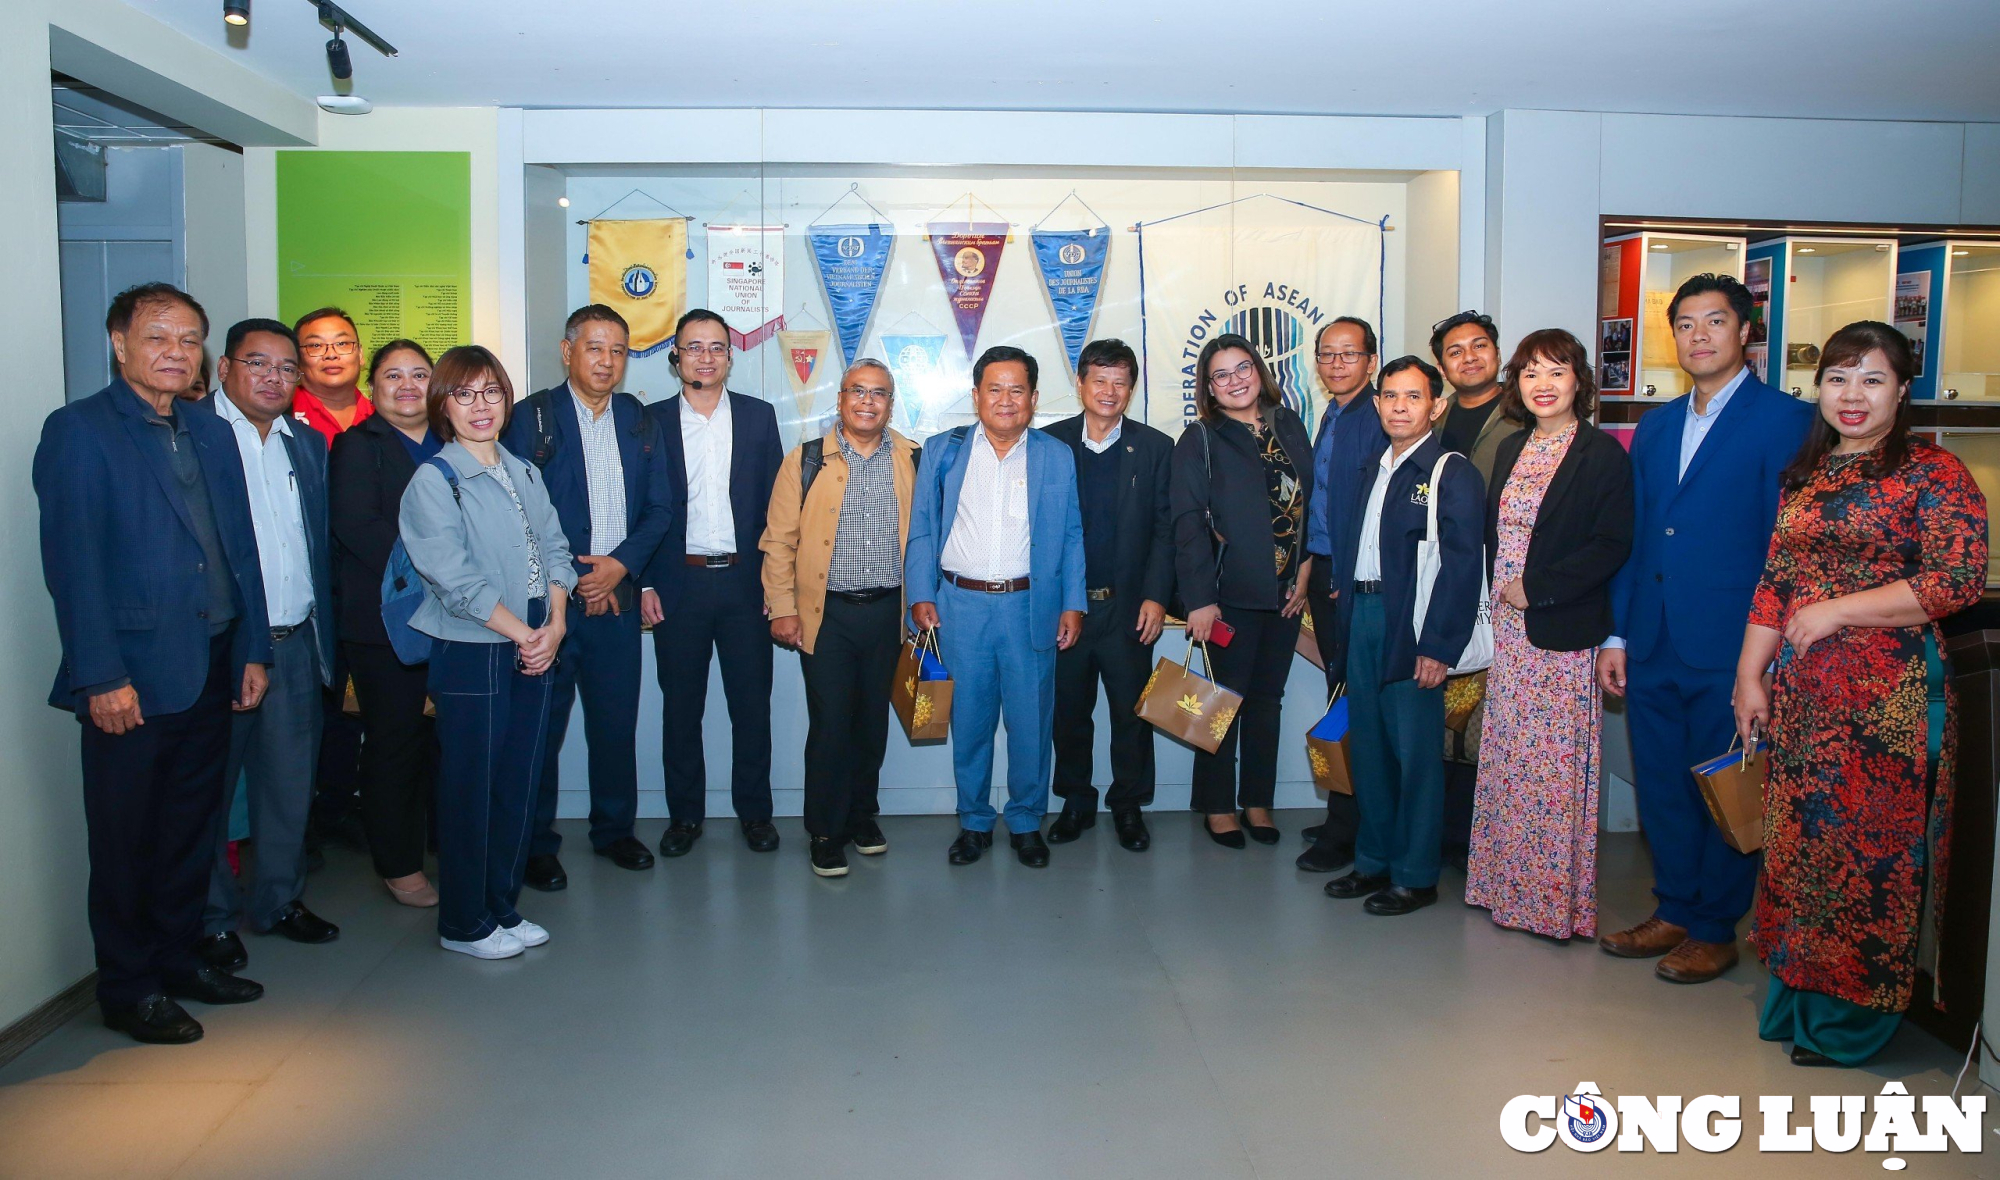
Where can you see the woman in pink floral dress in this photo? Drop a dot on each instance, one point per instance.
(1559, 525)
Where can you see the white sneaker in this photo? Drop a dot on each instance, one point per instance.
(501, 944)
(529, 933)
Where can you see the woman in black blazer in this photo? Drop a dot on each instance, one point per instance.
(371, 464)
(1241, 477)
(1558, 527)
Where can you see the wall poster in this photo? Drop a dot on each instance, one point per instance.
(1913, 310)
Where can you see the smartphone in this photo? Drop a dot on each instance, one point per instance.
(1220, 633)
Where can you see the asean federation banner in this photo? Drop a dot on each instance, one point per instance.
(639, 269)
(1270, 269)
(852, 260)
(799, 353)
(746, 280)
(1072, 266)
(968, 258)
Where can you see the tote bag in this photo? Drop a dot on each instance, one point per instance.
(1478, 653)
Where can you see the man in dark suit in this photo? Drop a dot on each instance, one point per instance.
(1128, 558)
(607, 476)
(1705, 470)
(150, 555)
(704, 590)
(276, 745)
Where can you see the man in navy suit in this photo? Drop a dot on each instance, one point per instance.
(995, 564)
(150, 555)
(704, 589)
(275, 746)
(606, 472)
(1705, 472)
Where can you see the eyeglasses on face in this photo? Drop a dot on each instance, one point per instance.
(492, 395)
(1340, 358)
(1242, 372)
(718, 349)
(262, 367)
(867, 393)
(335, 347)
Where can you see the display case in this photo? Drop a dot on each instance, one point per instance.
(1948, 304)
(1638, 275)
(1979, 448)
(1806, 288)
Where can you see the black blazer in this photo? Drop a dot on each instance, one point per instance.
(1145, 558)
(1582, 535)
(1234, 491)
(753, 470)
(366, 473)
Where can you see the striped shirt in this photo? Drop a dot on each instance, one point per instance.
(603, 475)
(866, 555)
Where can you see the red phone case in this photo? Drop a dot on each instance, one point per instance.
(1220, 633)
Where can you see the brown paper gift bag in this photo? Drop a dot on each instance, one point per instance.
(1193, 708)
(1733, 787)
(351, 704)
(1463, 695)
(1308, 641)
(1326, 747)
(921, 693)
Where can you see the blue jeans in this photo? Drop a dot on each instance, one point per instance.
(1398, 764)
(491, 725)
(995, 672)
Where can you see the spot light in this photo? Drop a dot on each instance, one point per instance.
(563, 202)
(337, 59)
(236, 12)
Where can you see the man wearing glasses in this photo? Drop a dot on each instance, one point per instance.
(1350, 438)
(704, 589)
(833, 586)
(329, 398)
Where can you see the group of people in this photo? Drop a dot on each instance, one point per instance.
(220, 570)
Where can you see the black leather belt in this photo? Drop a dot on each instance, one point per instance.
(998, 586)
(860, 597)
(1103, 595)
(283, 633)
(1374, 587)
(711, 560)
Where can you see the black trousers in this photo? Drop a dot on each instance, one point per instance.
(1256, 663)
(339, 767)
(398, 757)
(721, 611)
(848, 676)
(152, 800)
(1109, 649)
(1342, 820)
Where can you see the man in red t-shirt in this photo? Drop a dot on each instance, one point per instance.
(329, 395)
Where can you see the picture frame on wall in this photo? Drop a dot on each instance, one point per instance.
(1614, 353)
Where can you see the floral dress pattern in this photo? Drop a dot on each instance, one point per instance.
(1856, 817)
(1534, 830)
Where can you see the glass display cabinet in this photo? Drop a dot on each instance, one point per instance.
(1805, 288)
(1638, 275)
(1948, 304)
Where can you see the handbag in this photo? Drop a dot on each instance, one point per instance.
(921, 692)
(1732, 784)
(1183, 704)
(1326, 747)
(1478, 653)
(403, 591)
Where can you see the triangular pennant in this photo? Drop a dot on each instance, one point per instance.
(746, 280)
(1072, 266)
(800, 351)
(852, 260)
(968, 258)
(918, 365)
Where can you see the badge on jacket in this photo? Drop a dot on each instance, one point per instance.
(1422, 495)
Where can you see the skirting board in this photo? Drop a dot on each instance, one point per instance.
(49, 1016)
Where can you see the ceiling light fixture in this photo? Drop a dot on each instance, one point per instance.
(236, 12)
(334, 17)
(338, 62)
(564, 202)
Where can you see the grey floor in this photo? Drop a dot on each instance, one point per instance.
(1192, 1011)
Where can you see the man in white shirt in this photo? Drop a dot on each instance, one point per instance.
(275, 747)
(704, 589)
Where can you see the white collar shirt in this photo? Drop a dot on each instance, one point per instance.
(1695, 427)
(1110, 438)
(707, 444)
(603, 476)
(275, 513)
(989, 533)
(1368, 559)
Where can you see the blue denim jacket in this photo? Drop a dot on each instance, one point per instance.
(473, 554)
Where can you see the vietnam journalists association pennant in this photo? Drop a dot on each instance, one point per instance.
(638, 268)
(968, 258)
(852, 260)
(1072, 266)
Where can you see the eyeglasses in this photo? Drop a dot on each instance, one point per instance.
(336, 347)
(867, 393)
(1340, 358)
(714, 350)
(1242, 372)
(262, 367)
(492, 395)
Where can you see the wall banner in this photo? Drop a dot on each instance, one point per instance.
(918, 365)
(800, 352)
(638, 268)
(1072, 266)
(852, 260)
(746, 280)
(968, 259)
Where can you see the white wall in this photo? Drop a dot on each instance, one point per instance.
(218, 263)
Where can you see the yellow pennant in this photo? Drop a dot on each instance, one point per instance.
(639, 269)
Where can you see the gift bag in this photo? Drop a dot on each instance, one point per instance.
(1326, 748)
(1463, 695)
(351, 704)
(922, 691)
(1733, 787)
(1308, 641)
(1187, 706)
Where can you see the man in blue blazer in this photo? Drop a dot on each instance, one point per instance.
(995, 564)
(704, 590)
(607, 475)
(150, 556)
(1705, 472)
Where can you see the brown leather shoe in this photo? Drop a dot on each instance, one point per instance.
(1695, 961)
(1649, 939)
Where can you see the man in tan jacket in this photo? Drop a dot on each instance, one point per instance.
(833, 585)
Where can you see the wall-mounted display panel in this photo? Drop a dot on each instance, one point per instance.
(1806, 288)
(1638, 275)
(1948, 303)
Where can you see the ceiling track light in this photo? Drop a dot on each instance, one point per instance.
(334, 17)
(338, 62)
(236, 12)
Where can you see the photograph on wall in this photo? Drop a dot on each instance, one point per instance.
(1757, 277)
(1614, 354)
(1913, 310)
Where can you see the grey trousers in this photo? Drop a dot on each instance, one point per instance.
(275, 747)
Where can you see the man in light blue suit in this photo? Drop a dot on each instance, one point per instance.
(1705, 470)
(994, 562)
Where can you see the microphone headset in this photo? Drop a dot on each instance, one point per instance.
(674, 359)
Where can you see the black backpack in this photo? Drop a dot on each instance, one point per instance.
(812, 457)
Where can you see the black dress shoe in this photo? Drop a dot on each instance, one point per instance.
(1804, 1056)
(1262, 834)
(1231, 839)
(1070, 824)
(1325, 858)
(1356, 884)
(224, 950)
(300, 924)
(868, 837)
(761, 835)
(969, 845)
(679, 838)
(212, 985)
(1312, 834)
(627, 853)
(545, 873)
(1030, 848)
(1399, 899)
(155, 1020)
(1132, 833)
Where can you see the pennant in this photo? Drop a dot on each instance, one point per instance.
(800, 351)
(852, 260)
(968, 260)
(918, 365)
(746, 280)
(639, 269)
(1072, 266)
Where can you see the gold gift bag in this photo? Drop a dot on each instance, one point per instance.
(351, 704)
(923, 705)
(1183, 705)
(1733, 787)
(1326, 747)
(1308, 641)
(1462, 695)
